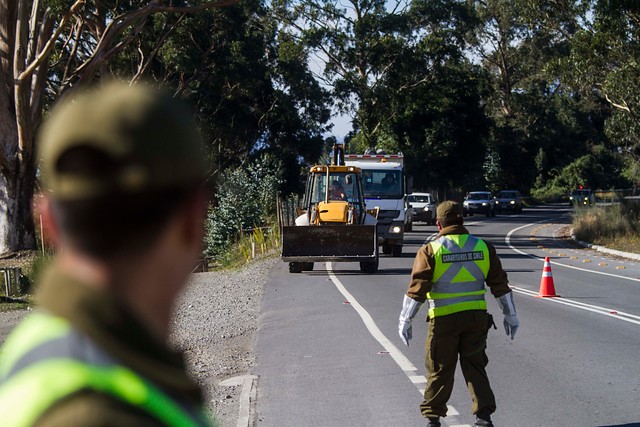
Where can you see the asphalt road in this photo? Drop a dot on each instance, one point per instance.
(328, 352)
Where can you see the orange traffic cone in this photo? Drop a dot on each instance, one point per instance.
(547, 288)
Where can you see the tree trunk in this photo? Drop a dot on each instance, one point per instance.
(17, 231)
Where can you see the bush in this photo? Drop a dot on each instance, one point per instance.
(549, 193)
(246, 199)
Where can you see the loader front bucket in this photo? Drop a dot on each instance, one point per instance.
(348, 243)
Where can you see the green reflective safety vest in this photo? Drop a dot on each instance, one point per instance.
(39, 366)
(461, 267)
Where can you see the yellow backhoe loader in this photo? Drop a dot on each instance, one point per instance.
(334, 224)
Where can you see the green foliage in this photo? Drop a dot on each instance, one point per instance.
(597, 170)
(248, 80)
(246, 199)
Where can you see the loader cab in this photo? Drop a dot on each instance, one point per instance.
(338, 188)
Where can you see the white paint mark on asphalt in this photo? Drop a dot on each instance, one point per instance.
(418, 379)
(400, 359)
(507, 240)
(452, 411)
(247, 397)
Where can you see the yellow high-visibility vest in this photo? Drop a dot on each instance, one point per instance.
(39, 366)
(461, 267)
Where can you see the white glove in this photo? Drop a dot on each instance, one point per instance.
(511, 322)
(410, 308)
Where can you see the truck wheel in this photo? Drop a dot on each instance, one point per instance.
(369, 267)
(386, 248)
(493, 213)
(396, 250)
(295, 267)
(307, 266)
(408, 227)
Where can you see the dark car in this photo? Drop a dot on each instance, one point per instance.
(479, 202)
(509, 200)
(582, 197)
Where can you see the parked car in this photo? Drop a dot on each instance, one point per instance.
(582, 197)
(508, 200)
(479, 202)
(423, 206)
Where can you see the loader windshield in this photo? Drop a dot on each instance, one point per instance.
(341, 187)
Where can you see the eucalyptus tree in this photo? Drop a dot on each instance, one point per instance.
(250, 83)
(77, 38)
(354, 45)
(539, 122)
(604, 66)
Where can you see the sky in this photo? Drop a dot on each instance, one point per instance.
(341, 125)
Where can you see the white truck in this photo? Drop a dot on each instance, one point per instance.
(384, 184)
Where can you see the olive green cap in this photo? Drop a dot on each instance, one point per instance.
(449, 210)
(119, 140)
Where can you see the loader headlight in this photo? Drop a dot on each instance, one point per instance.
(513, 202)
(395, 229)
(484, 203)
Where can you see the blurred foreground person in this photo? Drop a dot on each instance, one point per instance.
(122, 172)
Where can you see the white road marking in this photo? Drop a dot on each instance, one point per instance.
(507, 240)
(418, 379)
(619, 315)
(401, 360)
(609, 312)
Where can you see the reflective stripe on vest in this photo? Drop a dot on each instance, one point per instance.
(461, 267)
(34, 377)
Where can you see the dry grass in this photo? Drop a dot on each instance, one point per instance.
(614, 226)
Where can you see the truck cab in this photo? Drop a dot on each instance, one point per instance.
(384, 187)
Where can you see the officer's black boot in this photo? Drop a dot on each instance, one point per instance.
(433, 422)
(483, 419)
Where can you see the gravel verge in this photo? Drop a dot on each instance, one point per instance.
(215, 325)
(9, 320)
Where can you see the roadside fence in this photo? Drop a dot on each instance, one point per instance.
(288, 209)
(614, 196)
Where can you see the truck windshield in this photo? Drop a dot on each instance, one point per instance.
(383, 184)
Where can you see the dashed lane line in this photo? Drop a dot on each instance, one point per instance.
(401, 360)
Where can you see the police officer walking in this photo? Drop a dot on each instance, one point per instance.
(450, 273)
(122, 171)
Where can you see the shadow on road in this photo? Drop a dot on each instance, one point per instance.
(620, 425)
(380, 272)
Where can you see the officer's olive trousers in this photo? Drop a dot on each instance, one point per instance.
(463, 334)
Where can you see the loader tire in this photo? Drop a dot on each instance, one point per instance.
(369, 267)
(386, 248)
(295, 267)
(307, 266)
(396, 251)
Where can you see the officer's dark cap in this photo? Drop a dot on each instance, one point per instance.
(119, 139)
(449, 211)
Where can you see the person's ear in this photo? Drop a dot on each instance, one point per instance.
(50, 229)
(438, 224)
